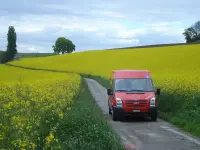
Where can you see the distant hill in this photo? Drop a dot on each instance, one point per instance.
(156, 45)
(26, 55)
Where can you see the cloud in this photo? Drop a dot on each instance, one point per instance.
(114, 14)
(131, 33)
(95, 24)
(175, 23)
(127, 41)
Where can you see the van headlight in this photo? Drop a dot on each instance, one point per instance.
(152, 102)
(119, 102)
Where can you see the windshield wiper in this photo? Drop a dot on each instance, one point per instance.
(129, 91)
(122, 90)
(137, 90)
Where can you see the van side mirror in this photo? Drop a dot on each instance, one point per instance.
(109, 92)
(158, 91)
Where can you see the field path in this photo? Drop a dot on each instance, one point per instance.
(144, 135)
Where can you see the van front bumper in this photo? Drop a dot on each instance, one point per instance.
(119, 111)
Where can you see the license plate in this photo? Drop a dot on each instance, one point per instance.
(136, 110)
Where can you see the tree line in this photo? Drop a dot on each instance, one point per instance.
(62, 45)
(192, 34)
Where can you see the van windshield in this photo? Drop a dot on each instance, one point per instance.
(131, 85)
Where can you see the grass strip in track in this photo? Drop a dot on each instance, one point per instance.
(84, 126)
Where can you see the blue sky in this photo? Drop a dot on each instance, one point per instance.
(93, 24)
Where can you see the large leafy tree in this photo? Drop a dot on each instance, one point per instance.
(11, 47)
(192, 33)
(63, 45)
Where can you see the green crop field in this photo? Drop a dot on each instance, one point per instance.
(175, 69)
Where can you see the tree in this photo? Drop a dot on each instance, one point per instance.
(63, 45)
(187, 36)
(11, 47)
(197, 27)
(192, 33)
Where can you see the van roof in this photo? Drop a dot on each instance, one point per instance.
(131, 74)
(130, 70)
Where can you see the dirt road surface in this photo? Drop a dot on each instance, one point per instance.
(144, 134)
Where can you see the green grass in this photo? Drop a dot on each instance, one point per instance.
(85, 128)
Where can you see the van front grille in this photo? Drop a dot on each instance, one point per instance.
(136, 103)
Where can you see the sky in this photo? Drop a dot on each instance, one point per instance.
(94, 25)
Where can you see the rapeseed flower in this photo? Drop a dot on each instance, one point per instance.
(26, 105)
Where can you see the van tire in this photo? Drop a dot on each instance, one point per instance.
(114, 116)
(110, 111)
(154, 116)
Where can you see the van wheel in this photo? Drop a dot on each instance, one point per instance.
(110, 111)
(114, 116)
(154, 116)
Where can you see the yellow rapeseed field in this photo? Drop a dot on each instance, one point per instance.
(32, 103)
(173, 68)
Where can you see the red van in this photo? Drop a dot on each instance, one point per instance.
(132, 93)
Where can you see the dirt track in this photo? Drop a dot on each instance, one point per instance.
(143, 134)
